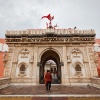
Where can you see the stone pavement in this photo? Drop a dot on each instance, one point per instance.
(55, 89)
(57, 92)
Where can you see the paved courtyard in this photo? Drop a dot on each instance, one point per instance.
(55, 90)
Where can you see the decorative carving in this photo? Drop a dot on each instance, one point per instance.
(6, 73)
(90, 50)
(5, 59)
(10, 50)
(78, 74)
(95, 55)
(91, 57)
(22, 75)
(76, 50)
(79, 80)
(20, 80)
(7, 65)
(9, 57)
(31, 58)
(68, 58)
(94, 58)
(24, 53)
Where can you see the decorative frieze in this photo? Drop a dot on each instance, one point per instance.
(10, 50)
(6, 73)
(50, 36)
(21, 80)
(79, 80)
(49, 40)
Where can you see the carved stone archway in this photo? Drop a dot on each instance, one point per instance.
(49, 55)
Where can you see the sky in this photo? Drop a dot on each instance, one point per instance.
(26, 14)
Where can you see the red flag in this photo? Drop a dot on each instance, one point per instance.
(48, 16)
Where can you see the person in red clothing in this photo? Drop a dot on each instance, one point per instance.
(48, 80)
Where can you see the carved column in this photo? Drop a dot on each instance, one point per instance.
(13, 71)
(31, 69)
(64, 68)
(89, 61)
(86, 66)
(35, 68)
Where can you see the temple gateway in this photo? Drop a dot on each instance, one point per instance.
(67, 53)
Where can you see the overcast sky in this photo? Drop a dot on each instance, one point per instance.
(26, 14)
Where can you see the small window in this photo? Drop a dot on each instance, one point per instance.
(78, 69)
(22, 69)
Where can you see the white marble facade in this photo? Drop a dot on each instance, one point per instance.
(73, 54)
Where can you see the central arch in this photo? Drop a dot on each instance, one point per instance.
(49, 55)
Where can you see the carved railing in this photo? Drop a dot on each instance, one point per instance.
(4, 82)
(79, 80)
(21, 80)
(96, 82)
(41, 31)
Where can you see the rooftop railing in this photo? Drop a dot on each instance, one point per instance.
(43, 31)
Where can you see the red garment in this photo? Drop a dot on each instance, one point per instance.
(48, 77)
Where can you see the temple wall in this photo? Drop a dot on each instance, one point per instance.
(77, 59)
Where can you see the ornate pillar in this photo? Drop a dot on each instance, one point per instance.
(35, 76)
(88, 61)
(87, 72)
(13, 71)
(31, 69)
(65, 79)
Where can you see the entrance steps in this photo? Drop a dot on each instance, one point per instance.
(57, 92)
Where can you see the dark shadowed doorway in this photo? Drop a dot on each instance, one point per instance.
(50, 60)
